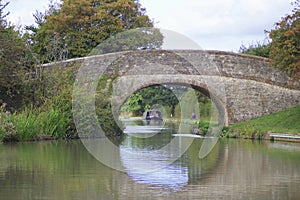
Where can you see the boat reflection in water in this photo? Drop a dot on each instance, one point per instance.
(150, 129)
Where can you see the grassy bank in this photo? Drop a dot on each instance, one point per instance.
(35, 124)
(50, 114)
(287, 121)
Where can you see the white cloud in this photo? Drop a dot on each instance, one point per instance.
(21, 12)
(217, 24)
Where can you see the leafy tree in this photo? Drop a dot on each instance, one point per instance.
(160, 94)
(135, 39)
(257, 49)
(3, 21)
(285, 47)
(167, 96)
(15, 60)
(75, 27)
(133, 104)
(147, 97)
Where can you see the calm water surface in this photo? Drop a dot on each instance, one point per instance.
(235, 169)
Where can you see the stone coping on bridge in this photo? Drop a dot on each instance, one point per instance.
(212, 52)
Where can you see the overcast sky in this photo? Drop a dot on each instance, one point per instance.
(213, 24)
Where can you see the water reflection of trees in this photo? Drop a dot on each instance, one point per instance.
(65, 170)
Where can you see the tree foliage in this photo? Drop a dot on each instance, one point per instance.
(74, 27)
(134, 39)
(143, 99)
(257, 49)
(161, 95)
(15, 59)
(133, 105)
(285, 47)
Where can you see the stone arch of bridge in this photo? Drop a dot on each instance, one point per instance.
(138, 70)
(127, 85)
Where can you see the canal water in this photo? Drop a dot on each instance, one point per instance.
(234, 169)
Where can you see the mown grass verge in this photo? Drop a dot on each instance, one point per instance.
(287, 121)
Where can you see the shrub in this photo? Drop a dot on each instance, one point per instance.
(204, 127)
(8, 131)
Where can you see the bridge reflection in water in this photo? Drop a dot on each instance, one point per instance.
(145, 163)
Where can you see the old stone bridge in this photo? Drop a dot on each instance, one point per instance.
(241, 86)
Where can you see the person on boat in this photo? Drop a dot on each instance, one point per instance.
(193, 116)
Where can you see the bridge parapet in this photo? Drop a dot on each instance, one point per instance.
(229, 64)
